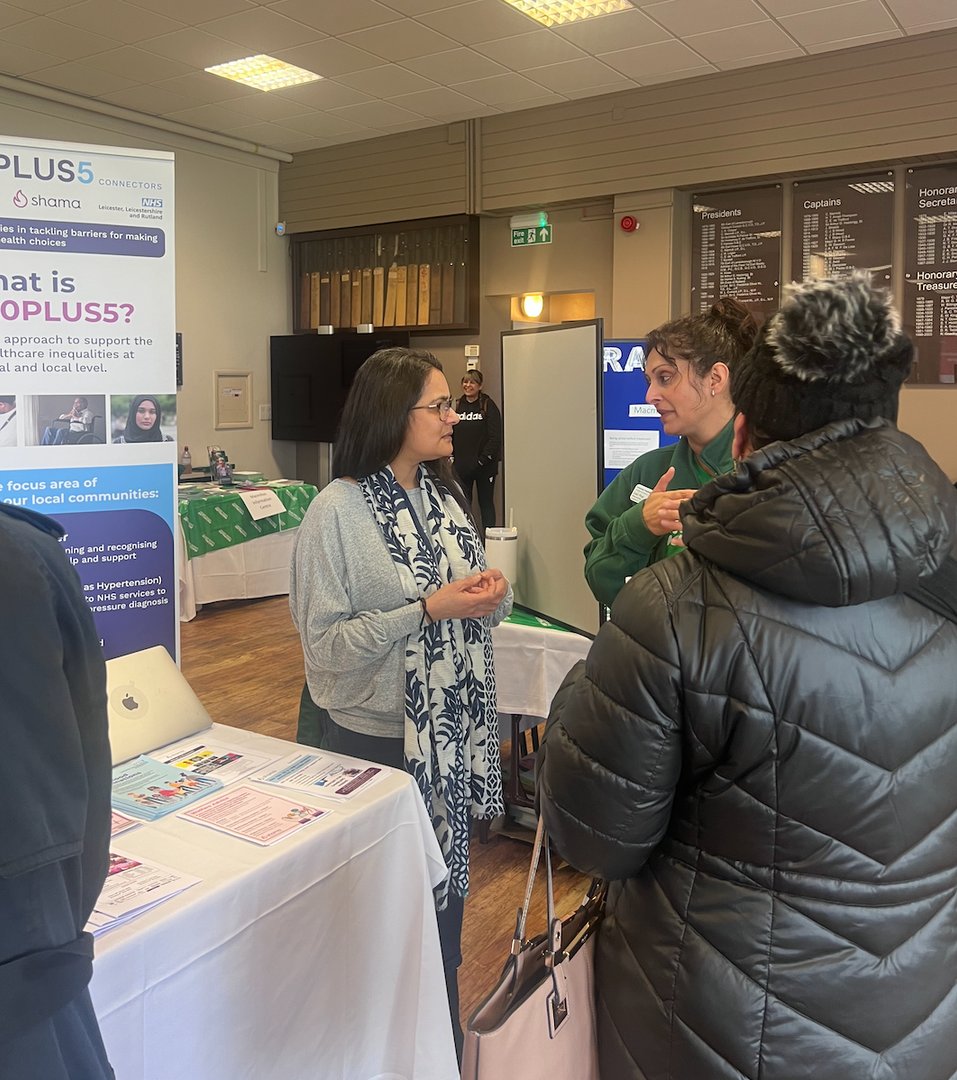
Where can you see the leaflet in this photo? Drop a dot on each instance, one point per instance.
(132, 887)
(331, 775)
(148, 789)
(121, 823)
(208, 759)
(254, 815)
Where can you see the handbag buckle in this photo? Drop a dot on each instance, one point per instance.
(557, 1002)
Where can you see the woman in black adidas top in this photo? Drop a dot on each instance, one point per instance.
(477, 440)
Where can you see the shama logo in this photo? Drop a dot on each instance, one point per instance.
(20, 200)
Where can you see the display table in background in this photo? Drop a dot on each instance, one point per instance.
(532, 657)
(224, 555)
(316, 957)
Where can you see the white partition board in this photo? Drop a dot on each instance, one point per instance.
(550, 409)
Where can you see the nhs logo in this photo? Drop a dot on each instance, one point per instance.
(614, 359)
(151, 203)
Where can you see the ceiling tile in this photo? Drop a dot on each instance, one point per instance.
(444, 105)
(193, 47)
(536, 49)
(574, 75)
(461, 63)
(201, 88)
(480, 20)
(263, 134)
(261, 31)
(329, 57)
(684, 17)
(598, 91)
(11, 15)
(41, 7)
(622, 30)
(944, 24)
(56, 38)
(403, 40)
(152, 100)
(754, 61)
(670, 59)
(674, 76)
(421, 7)
(82, 79)
(914, 13)
(777, 8)
(125, 22)
(848, 43)
(500, 89)
(139, 66)
(387, 81)
(325, 94)
(838, 23)
(741, 42)
(208, 117)
(260, 106)
(186, 10)
(337, 18)
(323, 125)
(375, 113)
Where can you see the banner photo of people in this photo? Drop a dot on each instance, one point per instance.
(630, 426)
(87, 371)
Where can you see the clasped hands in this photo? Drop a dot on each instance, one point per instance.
(468, 598)
(660, 509)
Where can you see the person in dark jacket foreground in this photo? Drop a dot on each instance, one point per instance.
(760, 750)
(54, 807)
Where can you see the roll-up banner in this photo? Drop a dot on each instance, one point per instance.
(630, 426)
(87, 371)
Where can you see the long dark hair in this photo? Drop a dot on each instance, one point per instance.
(132, 432)
(376, 417)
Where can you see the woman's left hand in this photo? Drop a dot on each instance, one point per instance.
(493, 584)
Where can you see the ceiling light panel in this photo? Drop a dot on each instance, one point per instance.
(263, 72)
(562, 12)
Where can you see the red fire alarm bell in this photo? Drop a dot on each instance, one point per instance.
(629, 223)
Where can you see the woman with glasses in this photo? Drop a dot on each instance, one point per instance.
(394, 604)
(635, 521)
(478, 444)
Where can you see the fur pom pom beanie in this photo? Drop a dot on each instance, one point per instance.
(834, 350)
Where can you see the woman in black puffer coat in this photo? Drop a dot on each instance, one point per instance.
(760, 752)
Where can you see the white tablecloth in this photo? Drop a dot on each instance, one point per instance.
(315, 959)
(530, 663)
(259, 567)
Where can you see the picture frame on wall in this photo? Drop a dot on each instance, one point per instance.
(233, 396)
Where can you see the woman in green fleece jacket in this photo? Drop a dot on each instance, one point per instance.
(635, 519)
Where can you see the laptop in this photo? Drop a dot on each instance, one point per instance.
(150, 703)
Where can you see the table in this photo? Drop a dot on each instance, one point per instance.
(222, 554)
(315, 959)
(532, 656)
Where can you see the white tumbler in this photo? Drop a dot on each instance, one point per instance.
(501, 551)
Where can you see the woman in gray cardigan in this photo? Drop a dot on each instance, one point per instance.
(394, 603)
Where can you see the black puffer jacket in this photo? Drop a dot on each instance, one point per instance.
(762, 748)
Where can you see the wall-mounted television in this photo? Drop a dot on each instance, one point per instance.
(310, 375)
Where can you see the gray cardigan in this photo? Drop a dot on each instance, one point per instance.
(351, 612)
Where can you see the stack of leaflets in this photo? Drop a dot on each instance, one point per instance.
(133, 886)
(149, 789)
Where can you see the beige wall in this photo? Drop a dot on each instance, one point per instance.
(930, 415)
(232, 275)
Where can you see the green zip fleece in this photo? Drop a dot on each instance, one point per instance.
(621, 543)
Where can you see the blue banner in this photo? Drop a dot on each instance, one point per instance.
(630, 426)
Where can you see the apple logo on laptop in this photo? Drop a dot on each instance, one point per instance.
(130, 702)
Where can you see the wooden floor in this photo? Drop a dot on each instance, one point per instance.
(243, 659)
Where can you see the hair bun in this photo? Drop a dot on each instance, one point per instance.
(833, 330)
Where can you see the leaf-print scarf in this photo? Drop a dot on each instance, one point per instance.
(451, 720)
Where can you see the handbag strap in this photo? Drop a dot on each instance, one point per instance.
(541, 840)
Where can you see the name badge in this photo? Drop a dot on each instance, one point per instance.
(640, 492)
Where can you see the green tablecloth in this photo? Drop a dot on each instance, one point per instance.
(213, 520)
(521, 617)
